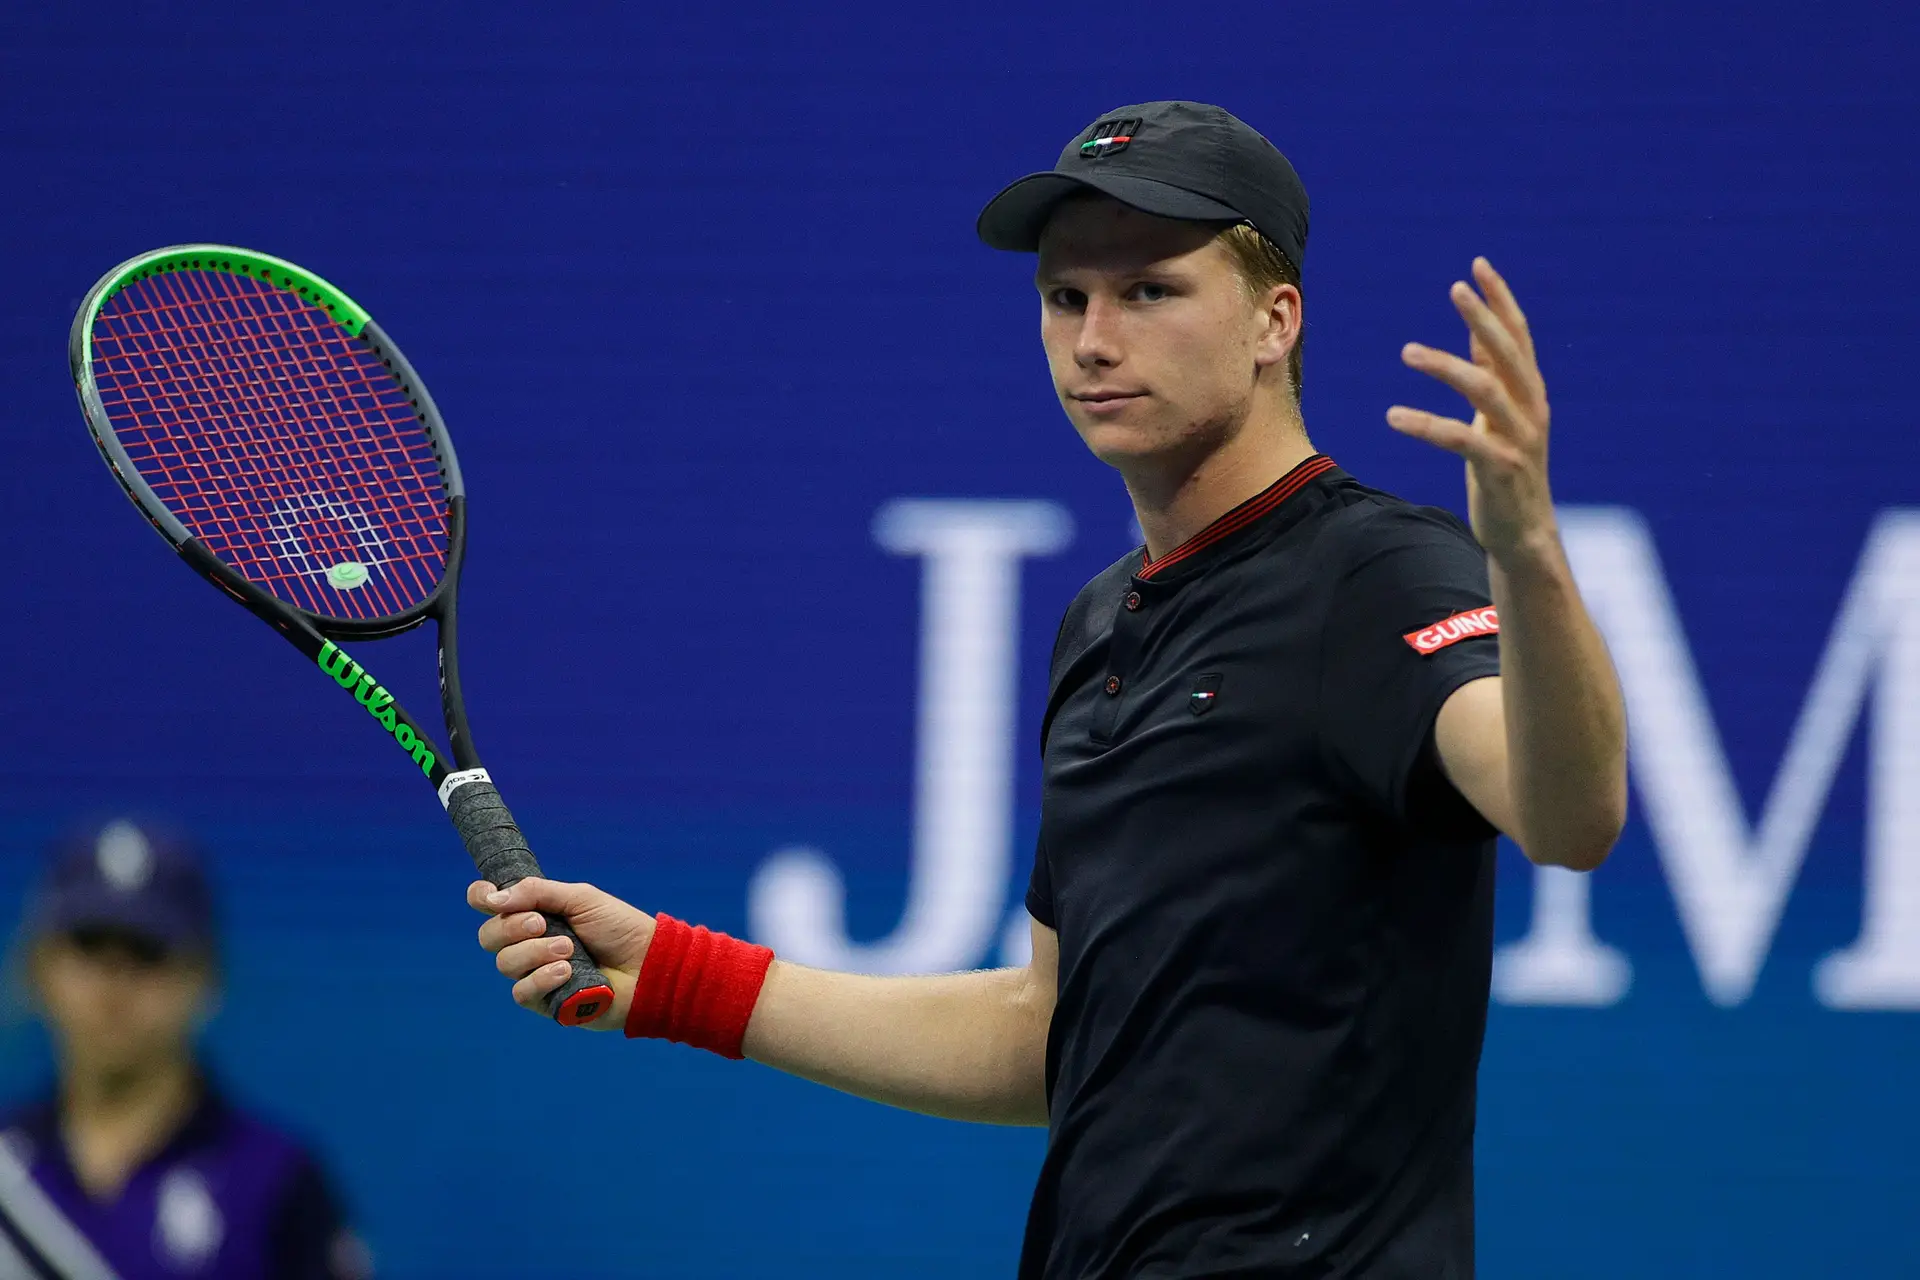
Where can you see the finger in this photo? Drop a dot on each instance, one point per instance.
(1482, 387)
(484, 896)
(1450, 434)
(522, 958)
(1491, 336)
(1505, 305)
(531, 991)
(531, 894)
(503, 931)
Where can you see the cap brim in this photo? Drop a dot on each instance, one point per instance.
(167, 928)
(1015, 218)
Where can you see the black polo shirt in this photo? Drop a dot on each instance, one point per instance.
(1275, 913)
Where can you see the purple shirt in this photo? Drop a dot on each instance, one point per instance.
(227, 1198)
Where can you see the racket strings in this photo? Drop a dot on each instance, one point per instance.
(282, 443)
(225, 363)
(299, 390)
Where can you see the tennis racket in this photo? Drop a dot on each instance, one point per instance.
(279, 441)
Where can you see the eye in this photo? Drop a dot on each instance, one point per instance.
(1150, 291)
(1066, 299)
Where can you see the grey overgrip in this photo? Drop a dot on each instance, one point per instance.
(493, 839)
(501, 856)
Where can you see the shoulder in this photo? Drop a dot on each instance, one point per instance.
(310, 1237)
(27, 1127)
(1081, 620)
(306, 1211)
(1108, 580)
(1391, 566)
(1368, 523)
(228, 1122)
(27, 1113)
(273, 1155)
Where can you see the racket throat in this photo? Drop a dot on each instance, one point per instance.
(379, 704)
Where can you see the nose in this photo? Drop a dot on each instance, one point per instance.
(1097, 344)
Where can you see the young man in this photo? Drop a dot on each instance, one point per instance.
(136, 1168)
(1279, 740)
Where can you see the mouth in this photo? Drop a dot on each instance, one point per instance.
(1103, 402)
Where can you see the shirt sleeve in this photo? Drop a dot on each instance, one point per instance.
(311, 1239)
(1411, 622)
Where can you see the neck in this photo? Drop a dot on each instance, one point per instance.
(114, 1120)
(1177, 498)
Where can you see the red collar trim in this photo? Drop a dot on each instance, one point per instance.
(1241, 516)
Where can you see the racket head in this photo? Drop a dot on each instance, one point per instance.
(273, 434)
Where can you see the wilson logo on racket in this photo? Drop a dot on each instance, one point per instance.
(379, 703)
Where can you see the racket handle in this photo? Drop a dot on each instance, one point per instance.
(501, 855)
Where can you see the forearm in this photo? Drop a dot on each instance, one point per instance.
(966, 1046)
(1565, 723)
(970, 1046)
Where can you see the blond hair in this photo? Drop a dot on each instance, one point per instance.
(1262, 267)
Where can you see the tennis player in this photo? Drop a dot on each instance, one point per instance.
(135, 1167)
(1279, 741)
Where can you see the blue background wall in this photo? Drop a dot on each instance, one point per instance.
(698, 292)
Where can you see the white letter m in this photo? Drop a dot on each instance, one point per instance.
(1731, 882)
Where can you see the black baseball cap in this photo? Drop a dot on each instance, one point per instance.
(127, 877)
(1183, 160)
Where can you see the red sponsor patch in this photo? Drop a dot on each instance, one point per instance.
(1461, 626)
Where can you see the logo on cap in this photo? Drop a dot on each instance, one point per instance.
(1108, 137)
(124, 856)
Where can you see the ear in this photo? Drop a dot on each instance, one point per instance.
(1281, 315)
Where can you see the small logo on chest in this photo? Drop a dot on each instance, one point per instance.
(1206, 692)
(187, 1227)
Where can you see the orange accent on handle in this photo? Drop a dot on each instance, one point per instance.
(584, 1006)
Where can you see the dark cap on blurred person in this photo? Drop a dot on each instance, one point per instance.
(129, 878)
(1184, 160)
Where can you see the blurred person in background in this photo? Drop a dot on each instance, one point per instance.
(135, 1166)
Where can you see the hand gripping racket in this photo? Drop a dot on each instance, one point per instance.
(270, 431)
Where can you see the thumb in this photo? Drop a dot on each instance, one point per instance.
(538, 894)
(568, 898)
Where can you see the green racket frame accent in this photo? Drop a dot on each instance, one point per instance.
(351, 316)
(353, 319)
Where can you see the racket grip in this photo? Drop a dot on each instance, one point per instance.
(500, 854)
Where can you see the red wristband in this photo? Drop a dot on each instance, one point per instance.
(697, 987)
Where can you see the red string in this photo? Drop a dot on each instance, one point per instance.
(282, 443)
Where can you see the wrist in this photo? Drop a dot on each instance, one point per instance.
(1534, 553)
(697, 987)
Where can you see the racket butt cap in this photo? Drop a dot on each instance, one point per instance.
(584, 1006)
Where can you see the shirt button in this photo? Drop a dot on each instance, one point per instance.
(1133, 600)
(1113, 685)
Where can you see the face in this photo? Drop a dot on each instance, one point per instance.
(118, 1004)
(1157, 351)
